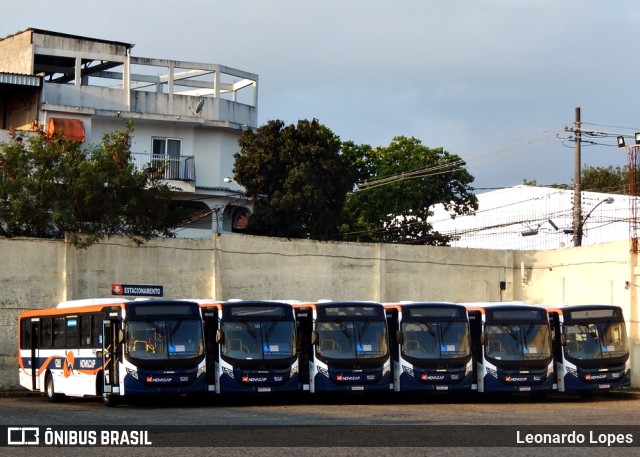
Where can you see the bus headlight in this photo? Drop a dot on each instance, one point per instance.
(294, 371)
(201, 370)
(323, 371)
(492, 372)
(386, 369)
(132, 373)
(469, 368)
(408, 370)
(228, 372)
(550, 370)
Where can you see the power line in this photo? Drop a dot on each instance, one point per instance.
(465, 163)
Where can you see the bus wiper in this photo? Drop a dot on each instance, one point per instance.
(444, 331)
(343, 328)
(363, 329)
(175, 329)
(428, 328)
(528, 332)
(250, 330)
(272, 328)
(154, 325)
(511, 334)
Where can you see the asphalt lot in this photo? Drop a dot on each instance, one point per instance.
(376, 424)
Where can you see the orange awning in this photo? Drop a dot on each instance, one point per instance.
(71, 129)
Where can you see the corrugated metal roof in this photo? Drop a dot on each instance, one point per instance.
(535, 218)
(19, 80)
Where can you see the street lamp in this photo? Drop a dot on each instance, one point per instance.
(534, 231)
(577, 233)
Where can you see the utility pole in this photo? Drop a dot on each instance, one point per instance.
(577, 187)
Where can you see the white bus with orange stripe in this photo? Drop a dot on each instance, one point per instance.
(112, 348)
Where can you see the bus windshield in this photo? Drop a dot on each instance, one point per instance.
(170, 339)
(259, 339)
(588, 341)
(344, 339)
(435, 339)
(510, 341)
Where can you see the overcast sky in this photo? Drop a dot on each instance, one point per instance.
(489, 80)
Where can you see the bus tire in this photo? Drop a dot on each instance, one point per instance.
(50, 391)
(108, 399)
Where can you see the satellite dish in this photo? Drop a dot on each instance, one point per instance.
(199, 106)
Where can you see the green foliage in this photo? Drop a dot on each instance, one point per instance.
(608, 180)
(296, 177)
(50, 187)
(400, 183)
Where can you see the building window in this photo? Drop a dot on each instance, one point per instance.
(166, 156)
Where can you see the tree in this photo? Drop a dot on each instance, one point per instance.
(534, 183)
(296, 177)
(50, 187)
(399, 183)
(609, 180)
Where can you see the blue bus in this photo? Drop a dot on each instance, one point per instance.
(251, 346)
(590, 348)
(344, 346)
(112, 348)
(430, 346)
(511, 344)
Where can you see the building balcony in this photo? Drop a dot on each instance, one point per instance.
(171, 168)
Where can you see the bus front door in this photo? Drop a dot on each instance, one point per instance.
(110, 359)
(35, 332)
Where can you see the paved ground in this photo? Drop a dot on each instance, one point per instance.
(374, 425)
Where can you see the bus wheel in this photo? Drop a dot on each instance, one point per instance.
(108, 399)
(50, 391)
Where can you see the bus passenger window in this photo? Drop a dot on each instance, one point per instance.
(46, 333)
(96, 330)
(85, 330)
(58, 332)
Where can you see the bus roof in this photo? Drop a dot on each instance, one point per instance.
(421, 303)
(91, 302)
(481, 306)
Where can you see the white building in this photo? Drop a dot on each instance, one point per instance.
(187, 114)
(536, 218)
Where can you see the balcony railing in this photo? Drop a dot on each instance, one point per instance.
(176, 168)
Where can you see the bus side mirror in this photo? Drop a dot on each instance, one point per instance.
(314, 337)
(219, 336)
(483, 338)
(399, 337)
(563, 339)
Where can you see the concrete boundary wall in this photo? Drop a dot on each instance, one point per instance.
(40, 273)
